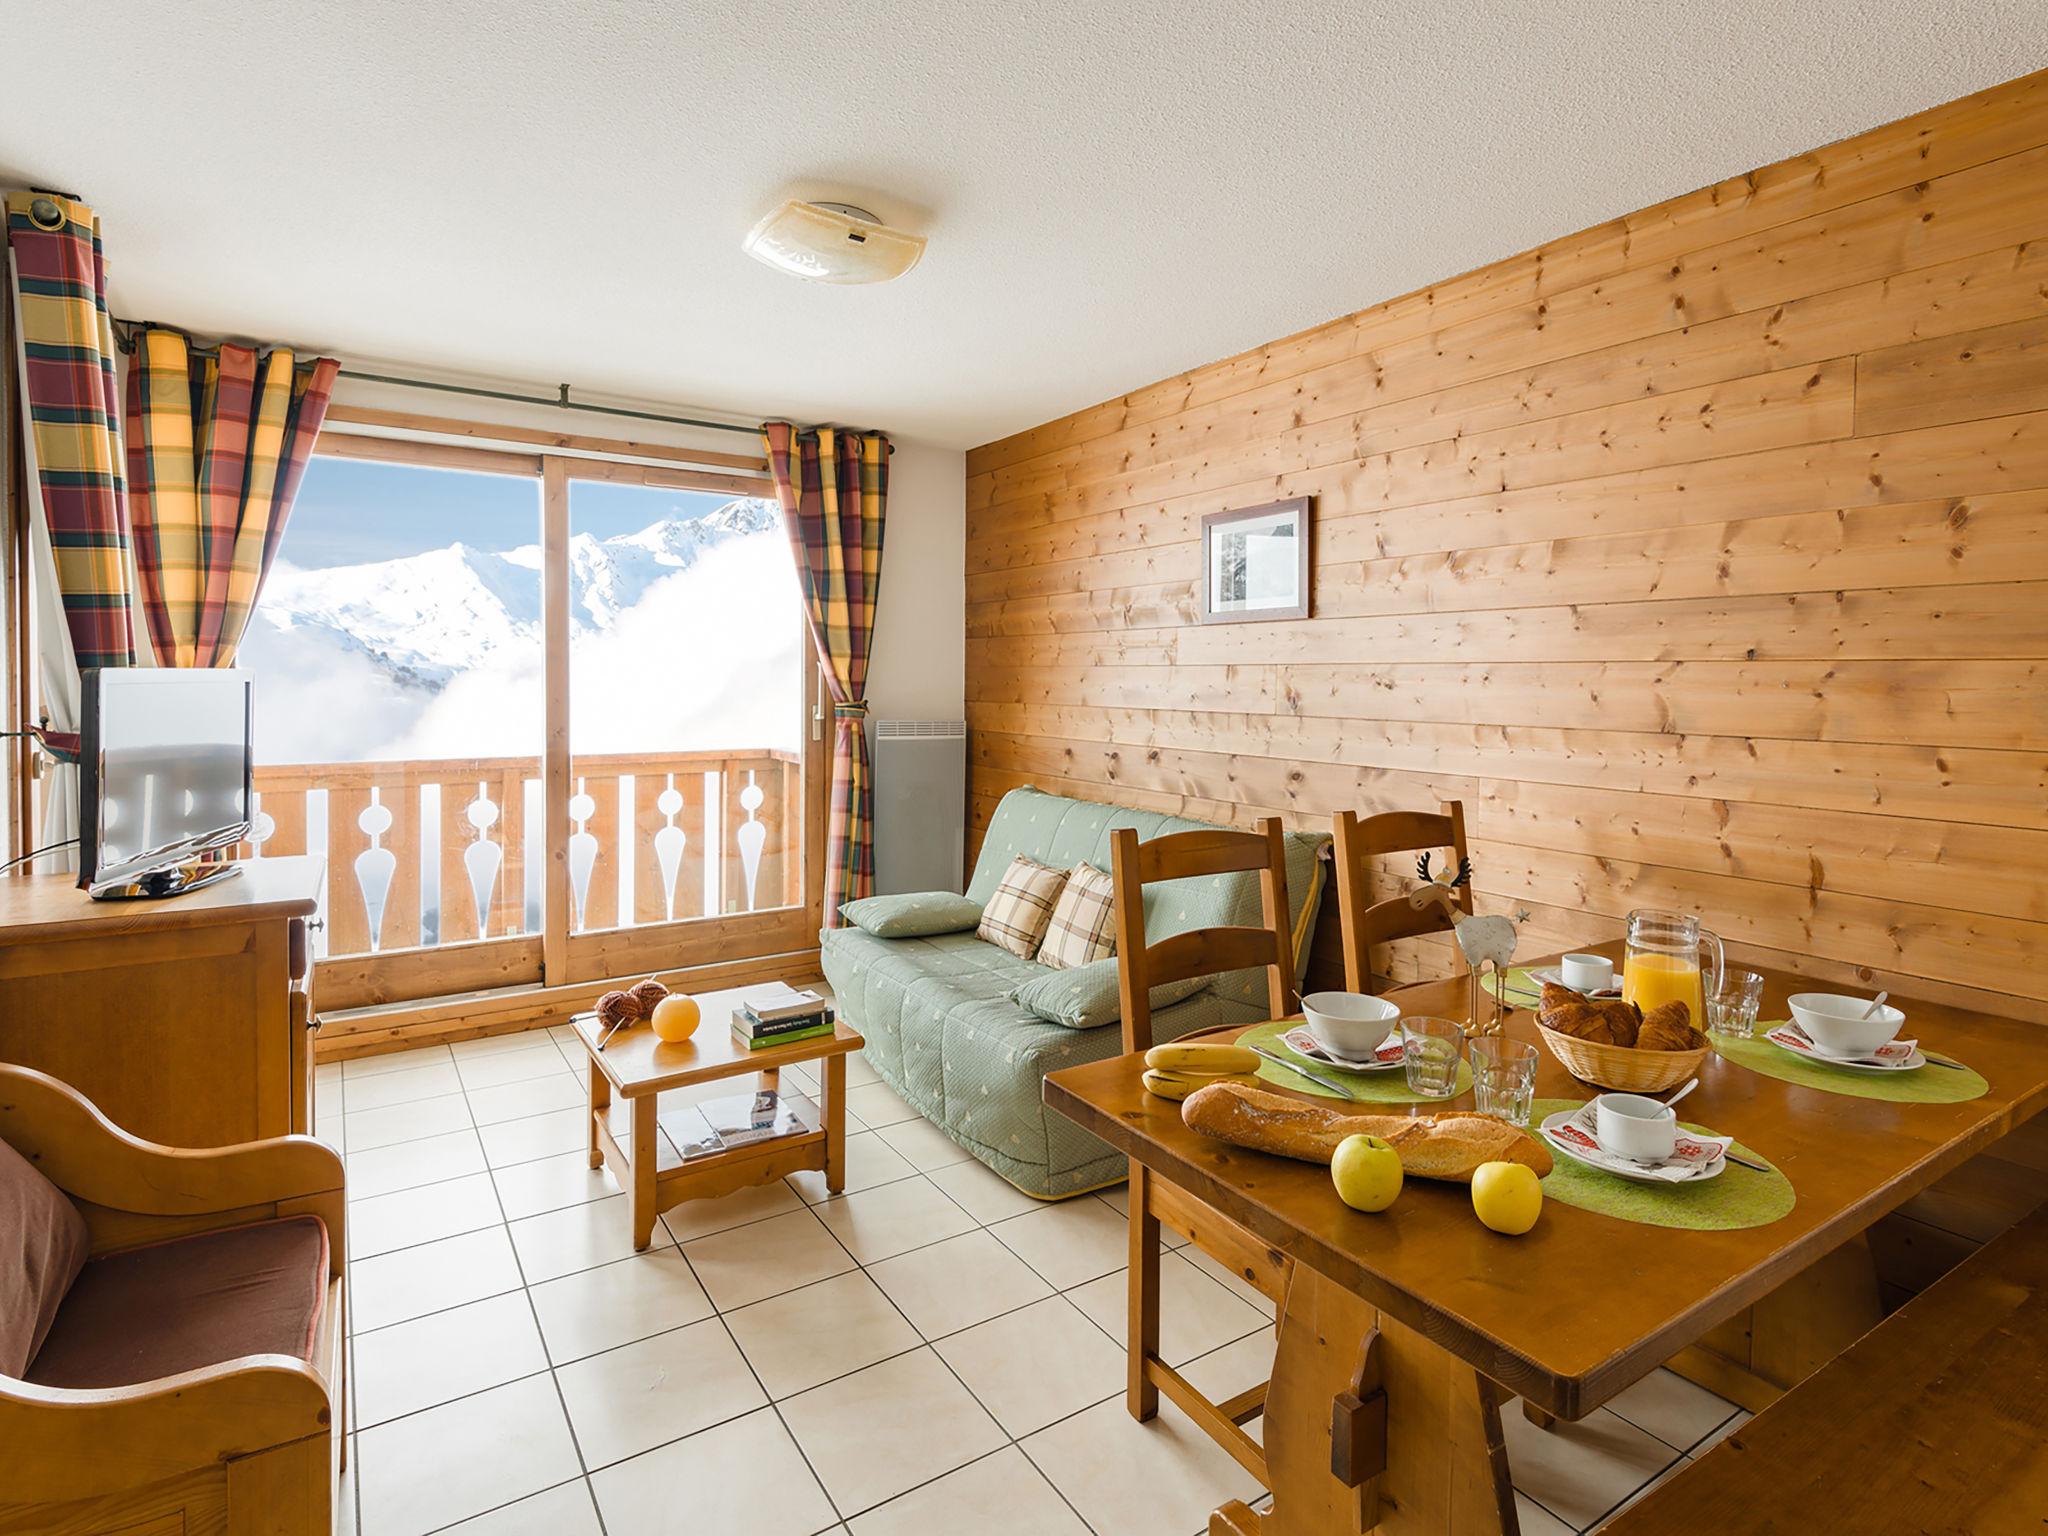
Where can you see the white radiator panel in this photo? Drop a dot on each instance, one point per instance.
(920, 805)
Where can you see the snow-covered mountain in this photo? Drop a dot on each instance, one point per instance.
(424, 619)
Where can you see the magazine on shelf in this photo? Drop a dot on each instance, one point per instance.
(744, 1119)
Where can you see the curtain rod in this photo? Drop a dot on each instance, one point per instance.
(124, 335)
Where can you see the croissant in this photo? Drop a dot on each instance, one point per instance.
(1669, 1027)
(1610, 1022)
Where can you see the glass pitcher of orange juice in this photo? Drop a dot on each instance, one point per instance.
(1663, 962)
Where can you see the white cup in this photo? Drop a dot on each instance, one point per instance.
(1635, 1127)
(1586, 973)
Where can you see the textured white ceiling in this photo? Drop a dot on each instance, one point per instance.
(541, 190)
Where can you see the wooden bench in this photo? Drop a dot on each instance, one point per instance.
(1934, 1421)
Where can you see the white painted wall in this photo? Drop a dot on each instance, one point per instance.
(918, 668)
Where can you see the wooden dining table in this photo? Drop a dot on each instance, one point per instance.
(1404, 1334)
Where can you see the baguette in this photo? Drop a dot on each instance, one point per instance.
(1431, 1146)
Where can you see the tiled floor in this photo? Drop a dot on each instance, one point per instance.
(929, 1352)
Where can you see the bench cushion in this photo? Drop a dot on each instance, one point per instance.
(151, 1312)
(43, 1242)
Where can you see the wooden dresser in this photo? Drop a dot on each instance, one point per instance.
(187, 1020)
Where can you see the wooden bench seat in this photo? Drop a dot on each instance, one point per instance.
(1934, 1421)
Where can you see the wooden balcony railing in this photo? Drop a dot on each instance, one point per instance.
(438, 852)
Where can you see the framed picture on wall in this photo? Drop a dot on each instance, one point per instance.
(1255, 563)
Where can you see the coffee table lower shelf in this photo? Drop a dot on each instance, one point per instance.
(704, 1178)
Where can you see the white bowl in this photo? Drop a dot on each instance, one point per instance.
(1635, 1127)
(1586, 973)
(1836, 1024)
(1349, 1024)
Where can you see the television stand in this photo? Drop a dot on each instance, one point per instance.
(177, 880)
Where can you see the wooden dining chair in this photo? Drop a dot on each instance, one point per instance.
(1182, 957)
(1358, 841)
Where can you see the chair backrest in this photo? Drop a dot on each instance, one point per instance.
(1199, 951)
(1398, 917)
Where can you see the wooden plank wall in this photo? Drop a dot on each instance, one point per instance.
(1703, 555)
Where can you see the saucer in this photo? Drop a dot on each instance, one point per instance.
(1302, 1043)
(1888, 1058)
(1576, 1141)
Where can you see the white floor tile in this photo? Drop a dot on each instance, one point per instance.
(1068, 1243)
(1229, 1279)
(527, 1097)
(395, 1061)
(801, 1338)
(765, 1258)
(463, 1458)
(877, 1104)
(515, 1066)
(1117, 1198)
(1236, 1367)
(985, 1195)
(564, 1510)
(633, 1398)
(521, 1141)
(1535, 1520)
(869, 1161)
(745, 1478)
(395, 1287)
(999, 1495)
(1159, 1478)
(1580, 1471)
(577, 1237)
(619, 1303)
(924, 1144)
(369, 1129)
(411, 1164)
(436, 1359)
(880, 1223)
(383, 1089)
(1033, 1366)
(1673, 1409)
(958, 1283)
(884, 1430)
(1740, 1417)
(490, 1045)
(757, 1202)
(552, 1184)
(384, 1223)
(1196, 1314)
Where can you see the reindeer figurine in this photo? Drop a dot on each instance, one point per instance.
(1484, 941)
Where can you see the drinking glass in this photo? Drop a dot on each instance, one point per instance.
(1430, 1049)
(1732, 1010)
(1504, 1079)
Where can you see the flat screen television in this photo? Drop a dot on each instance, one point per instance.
(164, 777)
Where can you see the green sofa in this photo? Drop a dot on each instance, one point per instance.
(943, 1032)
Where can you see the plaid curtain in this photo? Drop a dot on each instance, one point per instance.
(834, 488)
(72, 400)
(217, 446)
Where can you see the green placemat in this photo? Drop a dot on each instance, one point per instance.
(1740, 1197)
(1521, 989)
(1929, 1085)
(1366, 1087)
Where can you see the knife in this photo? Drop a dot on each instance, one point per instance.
(1321, 1082)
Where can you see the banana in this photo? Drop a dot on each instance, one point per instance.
(1178, 1085)
(1215, 1060)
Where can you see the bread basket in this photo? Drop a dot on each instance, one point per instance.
(1622, 1068)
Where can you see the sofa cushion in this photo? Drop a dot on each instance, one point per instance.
(1082, 928)
(1087, 995)
(43, 1243)
(151, 1312)
(1020, 906)
(912, 914)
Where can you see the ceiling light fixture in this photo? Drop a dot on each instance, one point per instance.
(832, 243)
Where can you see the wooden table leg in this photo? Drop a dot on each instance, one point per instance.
(835, 1123)
(643, 1170)
(1443, 1459)
(1141, 1342)
(600, 1101)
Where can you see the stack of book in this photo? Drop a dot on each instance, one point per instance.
(779, 1015)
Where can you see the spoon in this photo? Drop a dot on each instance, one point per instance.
(1875, 1004)
(1691, 1084)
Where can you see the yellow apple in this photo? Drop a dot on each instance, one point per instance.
(676, 1016)
(1367, 1173)
(1508, 1197)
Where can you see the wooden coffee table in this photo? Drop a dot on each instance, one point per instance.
(634, 1067)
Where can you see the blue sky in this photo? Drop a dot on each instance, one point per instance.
(350, 511)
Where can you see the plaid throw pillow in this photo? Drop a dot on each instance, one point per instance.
(1017, 913)
(1083, 924)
